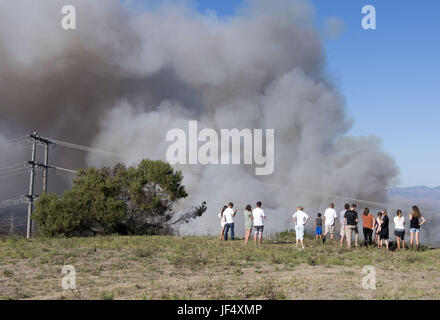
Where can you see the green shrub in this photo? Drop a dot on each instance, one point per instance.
(134, 201)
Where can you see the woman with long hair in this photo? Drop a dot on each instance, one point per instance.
(399, 229)
(376, 226)
(416, 221)
(368, 227)
(222, 223)
(248, 217)
(383, 230)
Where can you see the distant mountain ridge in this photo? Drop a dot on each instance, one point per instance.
(419, 191)
(420, 195)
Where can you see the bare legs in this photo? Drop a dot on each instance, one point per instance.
(400, 241)
(415, 235)
(381, 243)
(247, 236)
(343, 234)
(222, 233)
(260, 238)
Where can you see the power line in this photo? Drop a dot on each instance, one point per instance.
(328, 195)
(12, 202)
(13, 174)
(15, 148)
(88, 149)
(12, 141)
(13, 166)
(65, 170)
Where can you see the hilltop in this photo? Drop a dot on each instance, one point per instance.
(166, 267)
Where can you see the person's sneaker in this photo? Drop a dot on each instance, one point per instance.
(303, 247)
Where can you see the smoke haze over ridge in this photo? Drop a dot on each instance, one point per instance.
(123, 79)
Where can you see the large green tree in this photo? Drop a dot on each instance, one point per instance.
(134, 200)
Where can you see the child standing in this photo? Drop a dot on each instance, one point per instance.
(318, 227)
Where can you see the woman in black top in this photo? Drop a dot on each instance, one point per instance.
(414, 219)
(383, 229)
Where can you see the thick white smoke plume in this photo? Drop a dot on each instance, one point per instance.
(123, 79)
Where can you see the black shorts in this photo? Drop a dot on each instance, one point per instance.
(259, 229)
(399, 233)
(383, 235)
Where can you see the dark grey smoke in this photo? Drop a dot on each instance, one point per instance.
(123, 79)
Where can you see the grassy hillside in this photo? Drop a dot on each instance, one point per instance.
(166, 267)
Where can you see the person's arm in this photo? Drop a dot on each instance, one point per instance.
(307, 219)
(314, 224)
(423, 221)
(235, 211)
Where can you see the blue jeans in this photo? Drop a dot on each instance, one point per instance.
(227, 227)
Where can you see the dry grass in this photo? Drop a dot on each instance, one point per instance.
(166, 267)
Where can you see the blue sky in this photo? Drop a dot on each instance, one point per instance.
(389, 76)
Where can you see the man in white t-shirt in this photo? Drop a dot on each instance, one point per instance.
(229, 215)
(300, 218)
(258, 218)
(330, 217)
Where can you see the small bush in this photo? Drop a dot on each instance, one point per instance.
(107, 295)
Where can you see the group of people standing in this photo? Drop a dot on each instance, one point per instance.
(379, 226)
(348, 218)
(253, 219)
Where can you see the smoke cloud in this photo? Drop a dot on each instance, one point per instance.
(123, 79)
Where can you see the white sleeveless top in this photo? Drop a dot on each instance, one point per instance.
(223, 219)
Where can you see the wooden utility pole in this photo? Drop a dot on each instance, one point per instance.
(31, 190)
(34, 164)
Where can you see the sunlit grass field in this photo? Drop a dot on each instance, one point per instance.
(167, 267)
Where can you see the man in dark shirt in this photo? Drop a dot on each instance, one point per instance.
(351, 219)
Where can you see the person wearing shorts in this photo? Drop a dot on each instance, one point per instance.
(318, 227)
(415, 224)
(300, 218)
(399, 229)
(258, 217)
(330, 216)
(343, 223)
